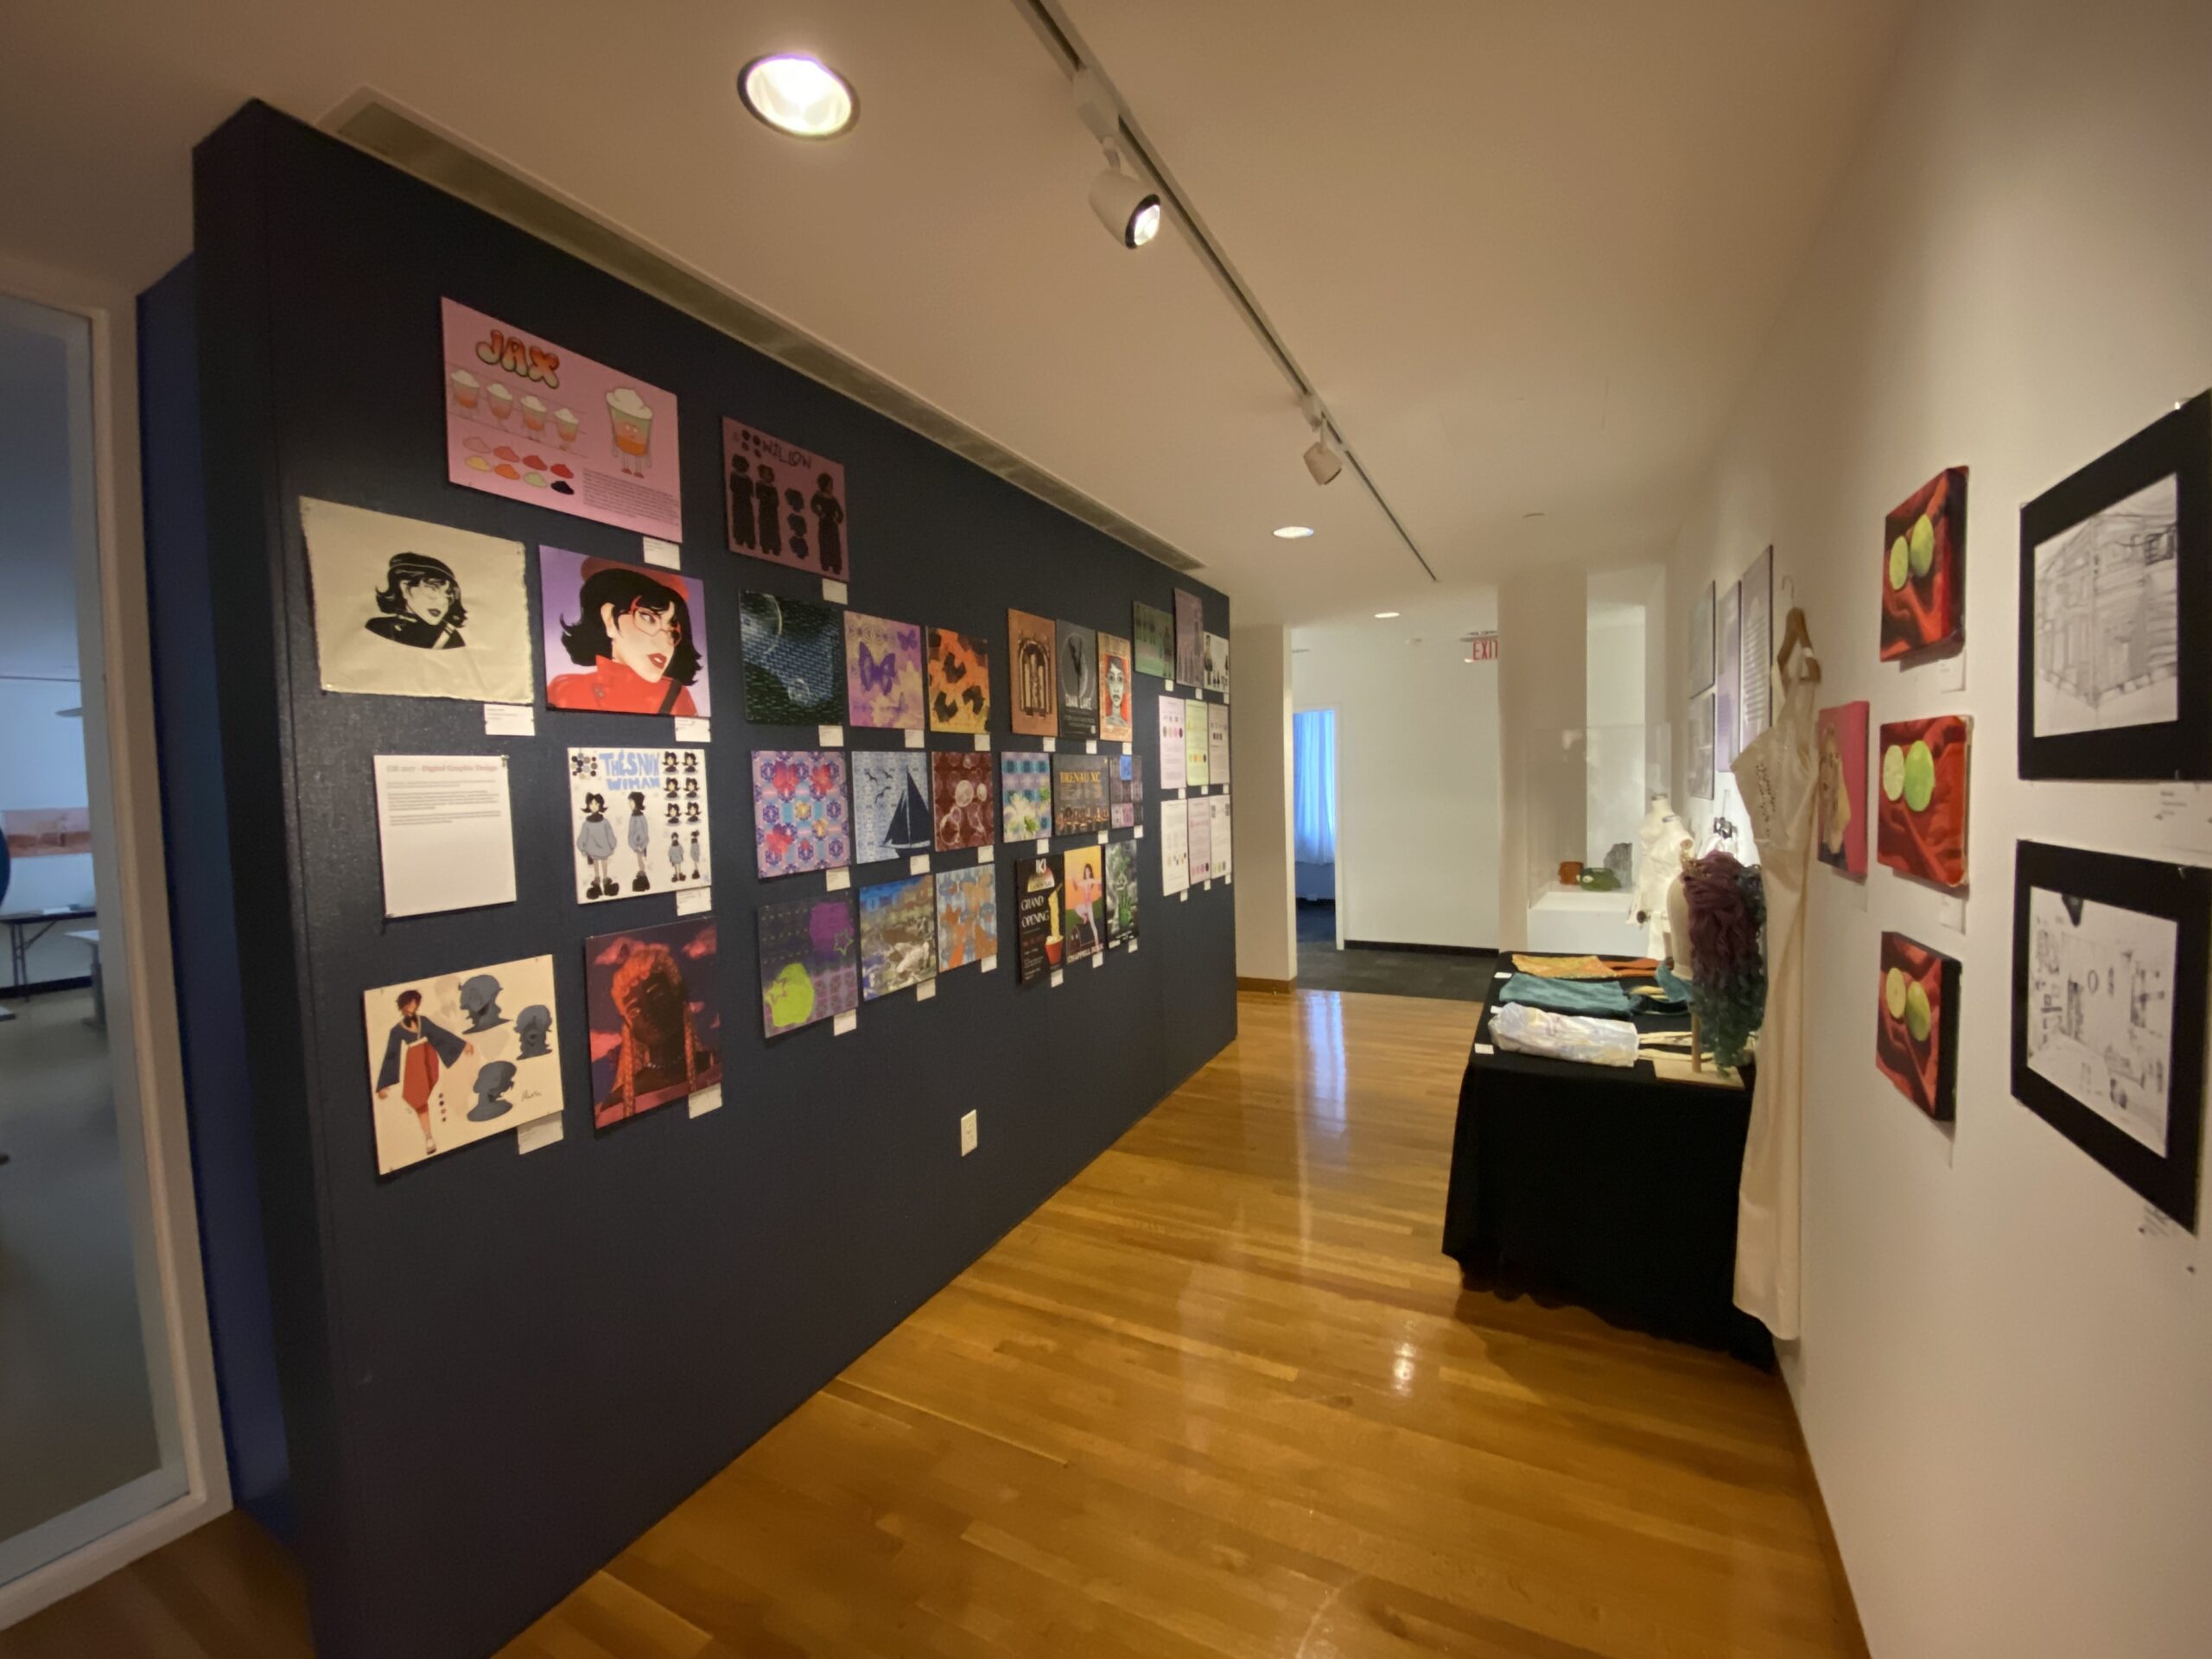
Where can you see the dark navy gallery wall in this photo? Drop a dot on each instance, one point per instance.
(195, 842)
(497, 1369)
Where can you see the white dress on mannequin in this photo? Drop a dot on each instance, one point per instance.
(1776, 776)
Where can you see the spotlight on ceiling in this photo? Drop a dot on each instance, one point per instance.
(1322, 459)
(796, 94)
(1127, 207)
(1293, 532)
(1384, 616)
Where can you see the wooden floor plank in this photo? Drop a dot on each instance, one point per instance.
(1219, 1398)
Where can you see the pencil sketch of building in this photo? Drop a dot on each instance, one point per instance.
(2107, 625)
(2101, 1008)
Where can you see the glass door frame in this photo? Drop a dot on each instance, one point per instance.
(123, 779)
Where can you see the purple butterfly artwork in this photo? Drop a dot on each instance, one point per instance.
(883, 672)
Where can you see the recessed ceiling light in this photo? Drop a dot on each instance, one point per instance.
(1384, 616)
(796, 94)
(1294, 532)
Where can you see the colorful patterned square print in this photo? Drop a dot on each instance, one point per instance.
(801, 819)
(962, 796)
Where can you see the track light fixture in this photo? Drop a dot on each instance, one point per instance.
(1322, 459)
(1127, 207)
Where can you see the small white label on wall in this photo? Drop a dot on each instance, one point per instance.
(919, 864)
(913, 740)
(1139, 832)
(1133, 946)
(1485, 1048)
(967, 1133)
(1102, 837)
(1098, 958)
(983, 742)
(990, 964)
(1044, 845)
(1951, 912)
(543, 1132)
(667, 555)
(1951, 671)
(1090, 746)
(1048, 744)
(1059, 977)
(708, 1099)
(831, 737)
(841, 1023)
(2184, 816)
(837, 881)
(1168, 685)
(1184, 896)
(510, 720)
(689, 728)
(834, 591)
(925, 990)
(693, 901)
(986, 855)
(1125, 746)
(1209, 884)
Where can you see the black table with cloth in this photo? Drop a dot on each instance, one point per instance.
(1613, 1187)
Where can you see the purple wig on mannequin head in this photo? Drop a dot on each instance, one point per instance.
(1728, 910)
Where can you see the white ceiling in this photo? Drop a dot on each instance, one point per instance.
(1528, 252)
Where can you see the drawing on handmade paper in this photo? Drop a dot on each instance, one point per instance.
(1218, 742)
(783, 504)
(1220, 841)
(1923, 567)
(454, 1058)
(1213, 667)
(628, 634)
(891, 804)
(800, 818)
(1727, 697)
(404, 608)
(1122, 890)
(1174, 846)
(1840, 796)
(638, 821)
(2108, 989)
(967, 915)
(1078, 675)
(883, 673)
(961, 799)
(1172, 771)
(1921, 823)
(1199, 839)
(1701, 746)
(1037, 917)
(1083, 901)
(1701, 641)
(1032, 680)
(1079, 803)
(655, 1003)
(810, 961)
(2116, 611)
(1154, 640)
(1116, 688)
(1915, 1029)
(1025, 796)
(1125, 790)
(898, 935)
(959, 681)
(1190, 638)
(1198, 772)
(794, 660)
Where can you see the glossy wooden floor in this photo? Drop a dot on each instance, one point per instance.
(1220, 1396)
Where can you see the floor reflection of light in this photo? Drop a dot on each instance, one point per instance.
(1324, 1056)
(1402, 1370)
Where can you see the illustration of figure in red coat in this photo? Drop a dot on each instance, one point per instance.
(634, 638)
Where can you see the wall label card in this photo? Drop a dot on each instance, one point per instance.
(695, 901)
(530, 1137)
(531, 422)
(510, 720)
(444, 825)
(831, 737)
(690, 730)
(667, 555)
(834, 592)
(703, 1101)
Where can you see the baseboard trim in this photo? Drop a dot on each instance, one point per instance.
(40, 987)
(1267, 987)
(1423, 949)
(1854, 1632)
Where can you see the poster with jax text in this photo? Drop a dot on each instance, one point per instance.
(529, 421)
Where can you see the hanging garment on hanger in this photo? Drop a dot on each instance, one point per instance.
(1776, 776)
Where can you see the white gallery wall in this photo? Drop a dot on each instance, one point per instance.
(1259, 759)
(1417, 769)
(2005, 1377)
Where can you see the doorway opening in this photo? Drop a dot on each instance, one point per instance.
(1313, 828)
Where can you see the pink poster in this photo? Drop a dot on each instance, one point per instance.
(785, 505)
(532, 422)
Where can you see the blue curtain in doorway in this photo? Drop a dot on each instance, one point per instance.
(1313, 833)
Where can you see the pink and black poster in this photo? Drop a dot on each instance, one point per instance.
(784, 504)
(529, 421)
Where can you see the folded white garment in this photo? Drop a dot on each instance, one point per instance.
(1563, 1036)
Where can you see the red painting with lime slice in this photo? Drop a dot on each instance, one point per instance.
(1920, 818)
(1923, 567)
(1916, 1030)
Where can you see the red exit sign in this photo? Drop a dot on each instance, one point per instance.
(1483, 647)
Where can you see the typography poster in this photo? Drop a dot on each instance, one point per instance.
(782, 502)
(1036, 917)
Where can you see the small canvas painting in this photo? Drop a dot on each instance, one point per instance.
(883, 673)
(1083, 901)
(1174, 846)
(1197, 771)
(1923, 567)
(456, 1057)
(1122, 890)
(1116, 688)
(1920, 821)
(783, 504)
(1190, 638)
(621, 638)
(1172, 771)
(1840, 796)
(898, 935)
(638, 821)
(1025, 796)
(1079, 801)
(967, 915)
(891, 804)
(801, 820)
(1078, 674)
(1154, 640)
(1036, 917)
(1125, 790)
(810, 961)
(794, 652)
(656, 1017)
(959, 681)
(962, 797)
(1033, 683)
(1915, 1033)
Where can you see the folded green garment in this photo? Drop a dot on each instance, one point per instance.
(1567, 995)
